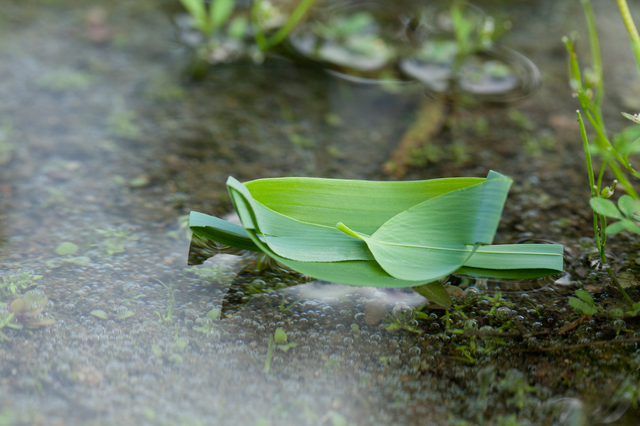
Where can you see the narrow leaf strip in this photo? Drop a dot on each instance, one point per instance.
(221, 231)
(518, 256)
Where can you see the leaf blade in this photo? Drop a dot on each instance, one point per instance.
(436, 237)
(605, 207)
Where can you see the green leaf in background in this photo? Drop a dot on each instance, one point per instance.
(624, 224)
(586, 297)
(627, 205)
(220, 11)
(582, 306)
(400, 234)
(198, 11)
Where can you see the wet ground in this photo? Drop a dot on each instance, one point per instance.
(106, 143)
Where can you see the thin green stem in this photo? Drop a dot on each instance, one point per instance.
(595, 190)
(631, 29)
(596, 58)
(574, 67)
(260, 38)
(293, 20)
(587, 154)
(267, 364)
(603, 235)
(618, 286)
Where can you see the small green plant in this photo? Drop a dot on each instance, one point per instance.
(404, 319)
(132, 296)
(27, 310)
(284, 307)
(496, 302)
(584, 303)
(633, 310)
(168, 317)
(260, 12)
(207, 322)
(12, 283)
(626, 213)
(209, 21)
(277, 341)
(226, 28)
(589, 89)
(171, 354)
(6, 318)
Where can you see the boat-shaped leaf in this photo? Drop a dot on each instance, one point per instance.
(399, 234)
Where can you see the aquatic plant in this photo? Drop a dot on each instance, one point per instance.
(13, 282)
(585, 303)
(456, 57)
(456, 54)
(226, 30)
(615, 156)
(381, 234)
(348, 41)
(168, 317)
(277, 341)
(28, 308)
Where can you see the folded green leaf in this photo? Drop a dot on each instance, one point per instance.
(399, 234)
(436, 237)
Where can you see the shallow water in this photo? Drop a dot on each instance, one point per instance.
(110, 146)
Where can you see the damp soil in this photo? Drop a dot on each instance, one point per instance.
(107, 142)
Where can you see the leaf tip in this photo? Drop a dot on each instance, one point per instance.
(341, 226)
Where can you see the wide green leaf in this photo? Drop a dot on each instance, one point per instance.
(627, 205)
(436, 237)
(367, 203)
(605, 207)
(399, 234)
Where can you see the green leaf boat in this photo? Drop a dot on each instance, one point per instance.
(380, 234)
